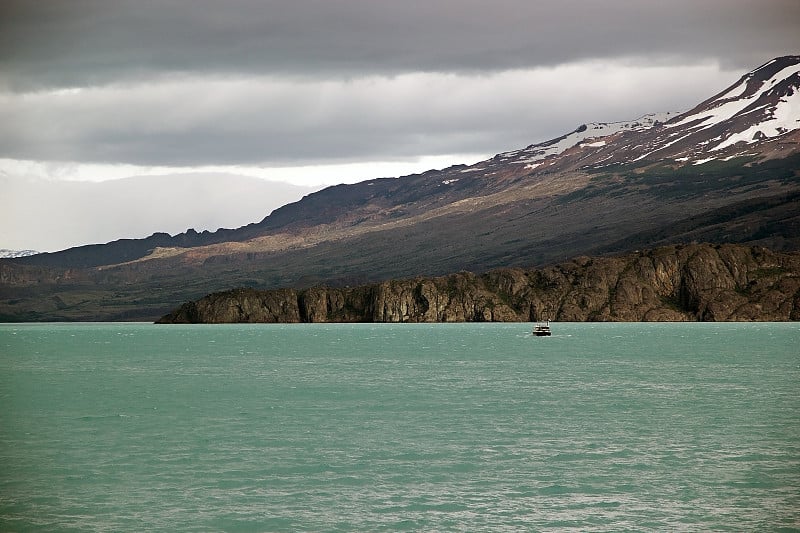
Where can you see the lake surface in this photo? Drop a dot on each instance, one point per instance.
(379, 427)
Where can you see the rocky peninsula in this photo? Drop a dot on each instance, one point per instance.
(697, 282)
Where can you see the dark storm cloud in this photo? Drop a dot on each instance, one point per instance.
(211, 121)
(166, 82)
(84, 42)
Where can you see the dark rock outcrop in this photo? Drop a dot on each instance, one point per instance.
(240, 305)
(675, 283)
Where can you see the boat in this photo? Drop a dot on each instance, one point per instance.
(542, 328)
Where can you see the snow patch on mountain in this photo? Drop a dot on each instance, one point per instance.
(727, 106)
(535, 153)
(762, 105)
(785, 118)
(597, 144)
(737, 91)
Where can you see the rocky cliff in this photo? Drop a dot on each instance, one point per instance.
(675, 283)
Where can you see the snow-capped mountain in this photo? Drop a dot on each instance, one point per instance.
(757, 116)
(8, 254)
(764, 104)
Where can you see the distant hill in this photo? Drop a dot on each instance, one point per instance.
(723, 172)
(131, 209)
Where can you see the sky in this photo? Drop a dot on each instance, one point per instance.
(308, 93)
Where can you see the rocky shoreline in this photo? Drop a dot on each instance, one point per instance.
(698, 282)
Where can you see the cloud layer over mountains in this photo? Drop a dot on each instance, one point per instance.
(284, 83)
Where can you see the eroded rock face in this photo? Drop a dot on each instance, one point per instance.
(675, 283)
(239, 306)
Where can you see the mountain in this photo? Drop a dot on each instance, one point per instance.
(723, 172)
(6, 254)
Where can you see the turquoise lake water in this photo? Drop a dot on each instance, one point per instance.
(379, 427)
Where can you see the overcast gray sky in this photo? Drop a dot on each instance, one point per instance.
(324, 91)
